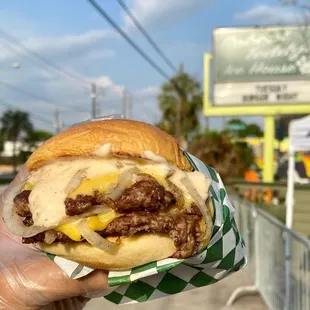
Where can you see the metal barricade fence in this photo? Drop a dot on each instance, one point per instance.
(278, 258)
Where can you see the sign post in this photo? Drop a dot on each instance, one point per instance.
(269, 136)
(259, 71)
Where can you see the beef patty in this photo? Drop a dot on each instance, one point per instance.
(83, 203)
(183, 228)
(146, 194)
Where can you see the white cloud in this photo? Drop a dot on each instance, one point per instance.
(149, 91)
(163, 13)
(63, 43)
(108, 86)
(264, 14)
(90, 43)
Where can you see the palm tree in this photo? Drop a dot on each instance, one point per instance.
(36, 136)
(192, 104)
(32, 141)
(15, 124)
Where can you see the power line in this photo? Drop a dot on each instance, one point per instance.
(128, 39)
(14, 50)
(106, 16)
(14, 40)
(33, 115)
(29, 94)
(147, 36)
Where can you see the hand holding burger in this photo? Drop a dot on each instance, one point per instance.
(30, 280)
(111, 194)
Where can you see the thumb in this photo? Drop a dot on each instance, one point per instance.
(94, 282)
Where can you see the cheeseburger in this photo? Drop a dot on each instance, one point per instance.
(111, 194)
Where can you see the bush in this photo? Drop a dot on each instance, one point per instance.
(218, 151)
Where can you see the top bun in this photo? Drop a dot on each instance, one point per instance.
(127, 138)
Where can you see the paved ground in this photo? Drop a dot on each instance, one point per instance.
(211, 297)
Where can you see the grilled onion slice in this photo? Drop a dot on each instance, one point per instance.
(95, 239)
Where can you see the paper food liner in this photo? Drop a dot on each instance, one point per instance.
(224, 255)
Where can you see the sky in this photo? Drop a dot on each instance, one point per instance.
(77, 39)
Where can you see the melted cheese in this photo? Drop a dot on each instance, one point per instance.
(28, 186)
(96, 223)
(101, 184)
(71, 230)
(101, 221)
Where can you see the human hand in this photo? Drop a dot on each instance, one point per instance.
(30, 280)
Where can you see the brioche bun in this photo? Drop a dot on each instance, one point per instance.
(133, 251)
(127, 138)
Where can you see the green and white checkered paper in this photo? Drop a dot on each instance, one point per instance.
(224, 255)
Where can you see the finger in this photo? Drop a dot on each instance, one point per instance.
(94, 282)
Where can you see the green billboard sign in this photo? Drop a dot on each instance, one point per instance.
(261, 54)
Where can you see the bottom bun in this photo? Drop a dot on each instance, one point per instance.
(132, 252)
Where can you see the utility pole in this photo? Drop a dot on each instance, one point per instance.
(124, 103)
(179, 91)
(99, 108)
(129, 107)
(57, 123)
(93, 96)
(207, 123)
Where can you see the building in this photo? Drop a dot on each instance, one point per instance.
(8, 148)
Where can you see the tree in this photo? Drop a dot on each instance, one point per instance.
(15, 125)
(235, 126)
(217, 150)
(245, 154)
(251, 130)
(242, 130)
(1, 142)
(37, 136)
(282, 124)
(190, 91)
(31, 140)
